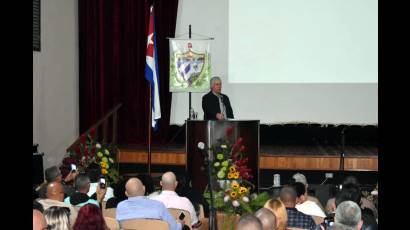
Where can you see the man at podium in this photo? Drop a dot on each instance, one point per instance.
(216, 105)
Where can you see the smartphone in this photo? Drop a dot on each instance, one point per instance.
(73, 167)
(181, 216)
(102, 183)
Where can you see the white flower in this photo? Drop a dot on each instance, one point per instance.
(235, 203)
(245, 199)
(216, 164)
(226, 198)
(253, 196)
(224, 146)
(98, 146)
(111, 160)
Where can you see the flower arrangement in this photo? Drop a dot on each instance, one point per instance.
(90, 151)
(230, 170)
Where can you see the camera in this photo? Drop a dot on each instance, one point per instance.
(328, 221)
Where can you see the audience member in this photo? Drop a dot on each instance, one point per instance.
(279, 210)
(364, 203)
(299, 177)
(53, 174)
(185, 189)
(171, 199)
(148, 182)
(94, 173)
(348, 213)
(57, 218)
(295, 218)
(119, 194)
(90, 217)
(267, 218)
(80, 197)
(55, 197)
(338, 226)
(249, 222)
(38, 206)
(39, 222)
(351, 192)
(137, 206)
(306, 206)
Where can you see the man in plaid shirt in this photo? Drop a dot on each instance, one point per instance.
(296, 219)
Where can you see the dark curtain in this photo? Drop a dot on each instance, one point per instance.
(112, 42)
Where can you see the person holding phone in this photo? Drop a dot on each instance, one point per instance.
(96, 179)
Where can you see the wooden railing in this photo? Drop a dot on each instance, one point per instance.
(104, 123)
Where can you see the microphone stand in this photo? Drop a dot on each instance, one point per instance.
(342, 153)
(212, 211)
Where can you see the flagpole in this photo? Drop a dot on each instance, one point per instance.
(190, 107)
(149, 131)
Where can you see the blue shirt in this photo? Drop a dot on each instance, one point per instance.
(140, 207)
(298, 219)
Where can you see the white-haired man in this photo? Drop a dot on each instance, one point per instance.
(216, 105)
(170, 198)
(348, 213)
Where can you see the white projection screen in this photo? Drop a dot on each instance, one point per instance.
(288, 61)
(303, 41)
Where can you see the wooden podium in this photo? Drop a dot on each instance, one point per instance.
(209, 132)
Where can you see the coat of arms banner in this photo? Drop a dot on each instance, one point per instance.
(190, 65)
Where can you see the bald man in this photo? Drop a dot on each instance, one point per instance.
(267, 218)
(249, 222)
(55, 197)
(296, 219)
(170, 198)
(39, 222)
(137, 206)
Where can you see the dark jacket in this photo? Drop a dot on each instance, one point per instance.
(210, 105)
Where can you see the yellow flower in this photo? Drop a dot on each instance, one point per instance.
(230, 175)
(232, 169)
(103, 164)
(235, 185)
(104, 171)
(236, 175)
(233, 194)
(242, 190)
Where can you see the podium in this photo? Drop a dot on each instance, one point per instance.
(210, 132)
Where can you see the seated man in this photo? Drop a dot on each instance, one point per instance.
(348, 213)
(137, 206)
(306, 206)
(267, 218)
(171, 199)
(296, 219)
(364, 203)
(249, 222)
(80, 197)
(94, 173)
(53, 174)
(299, 177)
(55, 197)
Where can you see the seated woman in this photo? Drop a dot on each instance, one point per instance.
(279, 209)
(58, 218)
(90, 217)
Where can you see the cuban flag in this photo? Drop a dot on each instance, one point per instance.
(151, 71)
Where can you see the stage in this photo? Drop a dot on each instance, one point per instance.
(274, 157)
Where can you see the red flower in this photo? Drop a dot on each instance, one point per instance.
(242, 149)
(93, 150)
(92, 132)
(239, 141)
(229, 131)
(78, 150)
(83, 139)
